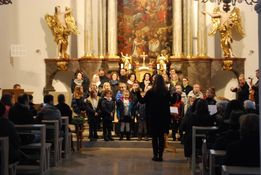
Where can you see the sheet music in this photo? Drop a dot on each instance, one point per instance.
(174, 110)
(212, 109)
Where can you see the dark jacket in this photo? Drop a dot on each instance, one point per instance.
(192, 119)
(107, 109)
(7, 129)
(158, 111)
(20, 114)
(140, 111)
(78, 105)
(65, 110)
(226, 138)
(244, 152)
(187, 89)
(242, 93)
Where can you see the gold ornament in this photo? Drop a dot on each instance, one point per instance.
(62, 24)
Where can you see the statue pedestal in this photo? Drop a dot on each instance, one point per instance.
(88, 65)
(202, 70)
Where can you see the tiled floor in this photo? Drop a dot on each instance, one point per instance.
(122, 161)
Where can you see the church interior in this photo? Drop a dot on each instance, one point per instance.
(203, 49)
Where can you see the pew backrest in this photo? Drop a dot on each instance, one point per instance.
(4, 155)
(227, 170)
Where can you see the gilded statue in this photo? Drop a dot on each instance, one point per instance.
(62, 24)
(127, 61)
(226, 22)
(162, 62)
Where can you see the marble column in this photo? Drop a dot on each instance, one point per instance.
(112, 28)
(101, 28)
(188, 25)
(177, 28)
(258, 10)
(88, 35)
(202, 31)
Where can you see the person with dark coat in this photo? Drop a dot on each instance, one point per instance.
(63, 107)
(107, 109)
(157, 101)
(185, 86)
(7, 129)
(232, 134)
(246, 151)
(7, 99)
(242, 91)
(20, 113)
(197, 115)
(31, 106)
(80, 80)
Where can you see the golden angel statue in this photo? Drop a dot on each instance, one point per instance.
(127, 61)
(62, 24)
(226, 23)
(162, 62)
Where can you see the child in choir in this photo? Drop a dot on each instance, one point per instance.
(107, 113)
(124, 108)
(142, 120)
(92, 113)
(122, 87)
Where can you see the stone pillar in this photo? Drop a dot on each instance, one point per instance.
(112, 28)
(177, 28)
(188, 25)
(101, 28)
(202, 31)
(88, 35)
(258, 10)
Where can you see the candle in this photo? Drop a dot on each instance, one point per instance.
(165, 67)
(129, 66)
(121, 65)
(158, 66)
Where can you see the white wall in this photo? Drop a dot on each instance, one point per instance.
(23, 23)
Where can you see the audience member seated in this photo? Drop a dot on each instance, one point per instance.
(7, 129)
(249, 106)
(63, 107)
(31, 106)
(197, 115)
(246, 151)
(232, 134)
(20, 113)
(231, 106)
(8, 100)
(49, 111)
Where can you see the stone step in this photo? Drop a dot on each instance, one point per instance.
(133, 143)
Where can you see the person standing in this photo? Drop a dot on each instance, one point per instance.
(157, 101)
(242, 90)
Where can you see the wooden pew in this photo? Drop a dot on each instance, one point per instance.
(67, 137)
(4, 150)
(53, 127)
(41, 147)
(198, 132)
(213, 154)
(227, 170)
